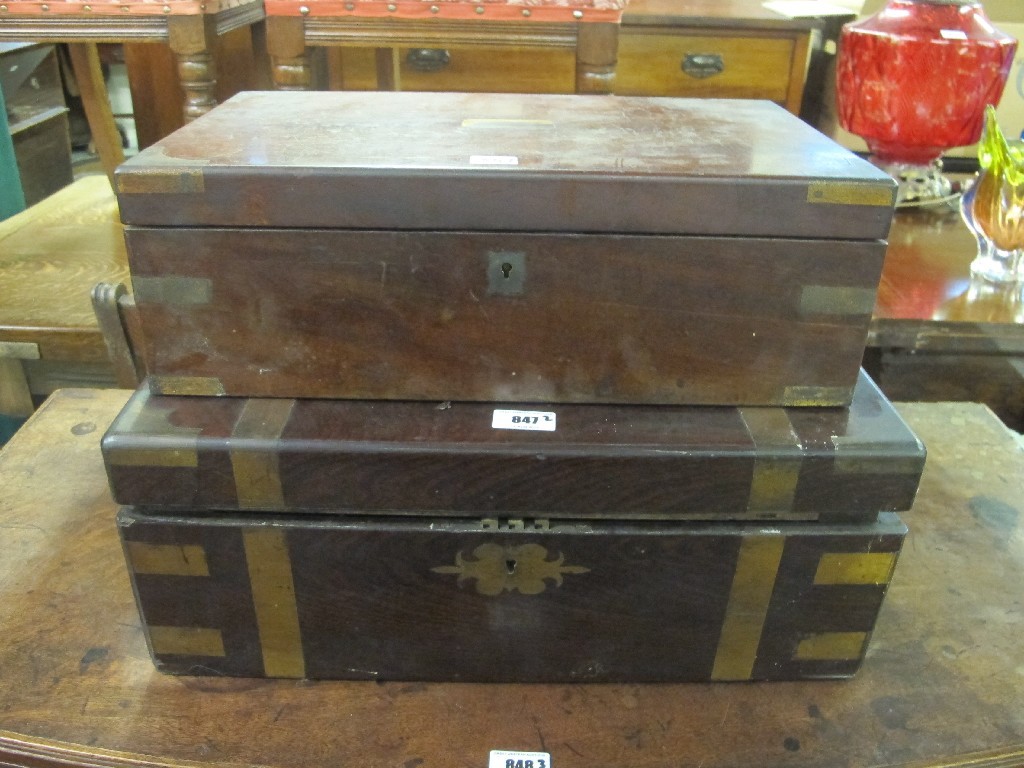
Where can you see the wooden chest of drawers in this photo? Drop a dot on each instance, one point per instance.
(698, 49)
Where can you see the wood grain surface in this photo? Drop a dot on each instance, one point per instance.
(606, 462)
(940, 687)
(433, 316)
(50, 258)
(506, 162)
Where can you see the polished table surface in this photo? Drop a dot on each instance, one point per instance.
(937, 334)
(943, 683)
(926, 287)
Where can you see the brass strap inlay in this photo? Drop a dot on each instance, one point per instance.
(774, 480)
(749, 598)
(855, 568)
(185, 385)
(851, 193)
(186, 641)
(256, 469)
(153, 457)
(173, 290)
(831, 646)
(167, 444)
(19, 350)
(837, 300)
(863, 464)
(273, 597)
(816, 396)
(167, 559)
(163, 182)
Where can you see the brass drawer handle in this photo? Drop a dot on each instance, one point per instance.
(428, 59)
(701, 65)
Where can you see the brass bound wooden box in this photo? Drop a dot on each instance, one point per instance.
(595, 462)
(524, 248)
(399, 598)
(399, 540)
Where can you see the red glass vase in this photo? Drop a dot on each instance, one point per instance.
(914, 79)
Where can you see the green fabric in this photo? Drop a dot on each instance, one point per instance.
(12, 199)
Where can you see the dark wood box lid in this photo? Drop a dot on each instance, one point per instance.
(506, 162)
(600, 461)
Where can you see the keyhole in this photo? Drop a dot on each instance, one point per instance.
(506, 269)
(510, 566)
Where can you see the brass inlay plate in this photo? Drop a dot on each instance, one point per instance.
(816, 396)
(855, 568)
(167, 559)
(186, 385)
(256, 469)
(774, 480)
(173, 290)
(832, 646)
(851, 193)
(19, 350)
(186, 641)
(749, 598)
(837, 300)
(863, 464)
(163, 182)
(273, 597)
(153, 457)
(524, 568)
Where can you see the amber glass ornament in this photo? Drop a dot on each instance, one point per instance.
(914, 79)
(993, 206)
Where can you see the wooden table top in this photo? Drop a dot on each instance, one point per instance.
(51, 256)
(941, 683)
(927, 298)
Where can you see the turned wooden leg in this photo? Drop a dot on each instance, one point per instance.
(597, 47)
(192, 39)
(85, 62)
(289, 61)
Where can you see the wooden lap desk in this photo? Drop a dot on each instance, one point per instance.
(50, 258)
(937, 334)
(942, 683)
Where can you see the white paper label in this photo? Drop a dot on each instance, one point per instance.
(953, 34)
(501, 758)
(543, 421)
(493, 160)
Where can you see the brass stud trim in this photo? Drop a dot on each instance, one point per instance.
(577, 14)
(304, 10)
(526, 12)
(167, 9)
(392, 7)
(434, 9)
(350, 6)
(479, 9)
(3, 9)
(87, 8)
(44, 8)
